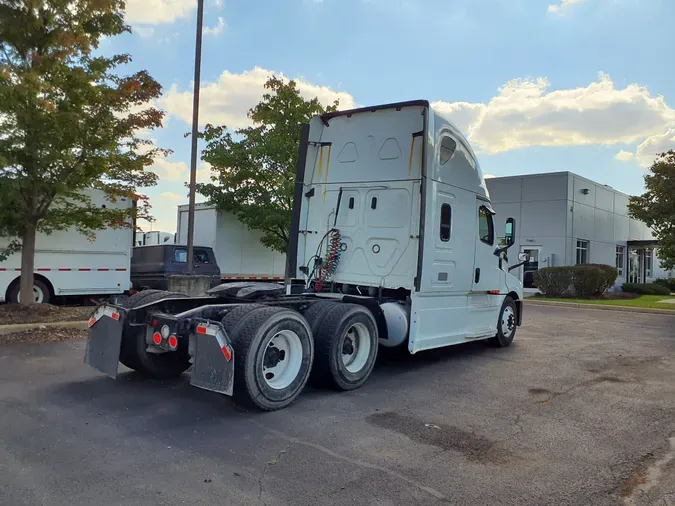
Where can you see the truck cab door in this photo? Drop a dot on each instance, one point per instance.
(483, 306)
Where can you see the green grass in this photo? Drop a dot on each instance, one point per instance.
(644, 301)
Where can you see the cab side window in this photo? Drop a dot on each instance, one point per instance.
(446, 217)
(201, 256)
(486, 228)
(446, 150)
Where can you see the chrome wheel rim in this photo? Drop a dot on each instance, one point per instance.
(508, 322)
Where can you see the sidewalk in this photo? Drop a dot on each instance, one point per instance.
(604, 307)
(20, 327)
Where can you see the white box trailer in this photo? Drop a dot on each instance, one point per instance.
(68, 263)
(394, 235)
(238, 250)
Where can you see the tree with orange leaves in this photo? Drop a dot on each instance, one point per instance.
(68, 121)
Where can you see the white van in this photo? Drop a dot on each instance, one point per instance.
(67, 263)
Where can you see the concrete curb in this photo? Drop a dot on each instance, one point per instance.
(19, 327)
(602, 307)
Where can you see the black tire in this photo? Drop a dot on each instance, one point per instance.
(40, 285)
(250, 329)
(331, 340)
(508, 312)
(133, 353)
(316, 313)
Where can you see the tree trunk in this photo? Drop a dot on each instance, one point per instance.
(26, 296)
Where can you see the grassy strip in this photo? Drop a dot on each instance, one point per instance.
(643, 301)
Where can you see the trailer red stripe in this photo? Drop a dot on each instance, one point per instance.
(65, 269)
(264, 278)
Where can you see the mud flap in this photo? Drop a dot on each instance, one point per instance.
(104, 340)
(213, 367)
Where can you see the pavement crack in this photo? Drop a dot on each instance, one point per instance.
(643, 479)
(264, 470)
(366, 465)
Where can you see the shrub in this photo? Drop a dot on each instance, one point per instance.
(645, 288)
(593, 279)
(581, 280)
(554, 281)
(669, 283)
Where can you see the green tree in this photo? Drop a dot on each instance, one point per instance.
(253, 168)
(68, 122)
(656, 207)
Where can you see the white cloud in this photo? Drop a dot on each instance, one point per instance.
(462, 114)
(488, 176)
(217, 29)
(526, 113)
(624, 155)
(227, 101)
(174, 197)
(154, 12)
(144, 31)
(169, 171)
(204, 173)
(564, 6)
(651, 147)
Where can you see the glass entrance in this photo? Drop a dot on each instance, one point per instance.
(634, 266)
(531, 266)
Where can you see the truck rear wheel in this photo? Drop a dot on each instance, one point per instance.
(346, 347)
(134, 354)
(273, 352)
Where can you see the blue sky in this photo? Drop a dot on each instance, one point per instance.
(537, 85)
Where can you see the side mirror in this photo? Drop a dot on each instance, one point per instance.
(523, 257)
(510, 232)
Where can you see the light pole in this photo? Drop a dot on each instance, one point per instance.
(195, 128)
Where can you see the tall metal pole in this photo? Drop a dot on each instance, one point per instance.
(195, 128)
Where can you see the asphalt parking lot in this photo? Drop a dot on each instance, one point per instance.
(579, 411)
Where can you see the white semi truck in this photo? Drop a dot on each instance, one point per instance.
(394, 235)
(67, 263)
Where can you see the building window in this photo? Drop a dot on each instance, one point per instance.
(649, 255)
(486, 228)
(582, 251)
(620, 260)
(446, 216)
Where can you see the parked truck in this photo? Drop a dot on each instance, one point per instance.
(394, 235)
(238, 250)
(154, 237)
(67, 263)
